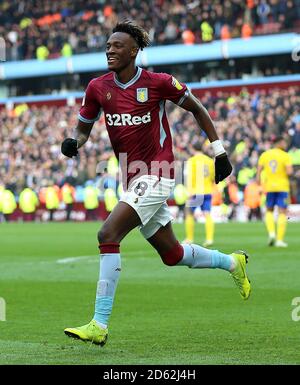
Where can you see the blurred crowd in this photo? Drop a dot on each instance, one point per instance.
(45, 29)
(30, 139)
(247, 124)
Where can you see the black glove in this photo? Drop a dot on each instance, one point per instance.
(223, 167)
(69, 147)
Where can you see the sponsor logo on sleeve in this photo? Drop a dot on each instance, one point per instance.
(176, 84)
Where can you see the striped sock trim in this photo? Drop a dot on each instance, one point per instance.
(109, 248)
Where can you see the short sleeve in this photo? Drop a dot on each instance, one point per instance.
(90, 110)
(171, 89)
(288, 160)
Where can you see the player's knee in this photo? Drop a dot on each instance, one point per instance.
(173, 255)
(108, 243)
(105, 235)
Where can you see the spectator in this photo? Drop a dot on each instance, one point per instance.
(52, 199)
(68, 197)
(110, 199)
(188, 37)
(8, 204)
(42, 52)
(1, 202)
(296, 136)
(263, 10)
(231, 196)
(28, 203)
(246, 31)
(180, 196)
(207, 32)
(66, 50)
(30, 147)
(252, 199)
(87, 25)
(91, 202)
(225, 32)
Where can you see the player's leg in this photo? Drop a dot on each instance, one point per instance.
(181, 214)
(258, 213)
(209, 229)
(248, 214)
(269, 217)
(173, 253)
(281, 227)
(69, 211)
(209, 223)
(119, 223)
(189, 224)
(6, 217)
(282, 219)
(51, 216)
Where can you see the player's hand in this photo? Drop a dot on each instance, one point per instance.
(69, 147)
(223, 167)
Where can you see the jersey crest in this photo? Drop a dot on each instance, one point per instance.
(142, 95)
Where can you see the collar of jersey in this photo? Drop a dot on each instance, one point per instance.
(131, 82)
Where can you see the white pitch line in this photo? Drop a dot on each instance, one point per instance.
(76, 259)
(93, 258)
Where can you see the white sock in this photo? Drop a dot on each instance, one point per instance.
(198, 257)
(110, 268)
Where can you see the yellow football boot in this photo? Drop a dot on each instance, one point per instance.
(90, 332)
(239, 274)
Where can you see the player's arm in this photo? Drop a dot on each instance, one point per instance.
(189, 177)
(258, 173)
(69, 146)
(89, 112)
(82, 132)
(223, 167)
(288, 164)
(260, 167)
(289, 170)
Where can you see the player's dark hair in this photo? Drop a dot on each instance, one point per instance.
(277, 139)
(197, 145)
(135, 31)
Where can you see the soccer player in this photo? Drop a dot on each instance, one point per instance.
(277, 167)
(200, 179)
(133, 101)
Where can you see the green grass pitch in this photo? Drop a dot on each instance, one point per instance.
(161, 315)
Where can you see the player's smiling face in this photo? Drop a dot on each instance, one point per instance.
(121, 50)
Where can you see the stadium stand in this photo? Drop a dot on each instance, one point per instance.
(50, 29)
(247, 118)
(247, 122)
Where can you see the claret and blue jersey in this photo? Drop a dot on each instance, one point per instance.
(135, 114)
